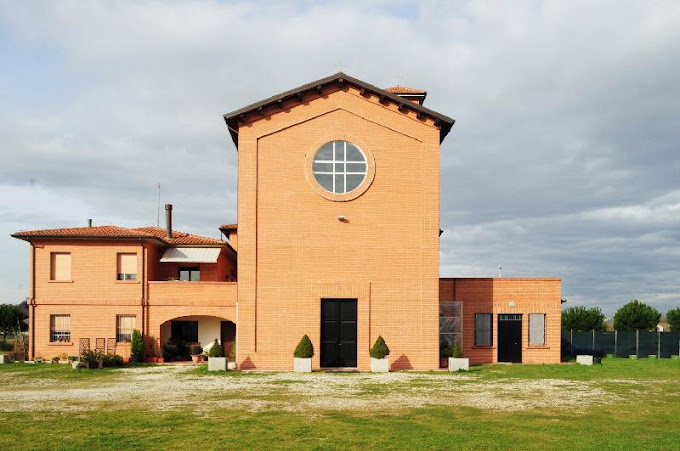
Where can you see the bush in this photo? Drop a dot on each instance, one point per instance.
(72, 358)
(232, 352)
(445, 350)
(304, 349)
(216, 350)
(195, 349)
(379, 349)
(137, 346)
(457, 352)
(92, 358)
(6, 345)
(673, 317)
(112, 361)
(176, 350)
(636, 316)
(581, 318)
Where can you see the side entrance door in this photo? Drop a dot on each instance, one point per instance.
(510, 338)
(338, 333)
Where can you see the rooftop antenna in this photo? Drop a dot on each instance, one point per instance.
(158, 208)
(500, 271)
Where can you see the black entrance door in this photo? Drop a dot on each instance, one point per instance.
(510, 338)
(338, 333)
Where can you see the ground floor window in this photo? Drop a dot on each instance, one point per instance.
(483, 329)
(537, 329)
(60, 328)
(451, 323)
(186, 331)
(125, 324)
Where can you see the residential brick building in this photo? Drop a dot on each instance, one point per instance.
(337, 237)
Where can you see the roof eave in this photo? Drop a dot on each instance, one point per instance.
(231, 119)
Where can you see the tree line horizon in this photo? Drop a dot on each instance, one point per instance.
(634, 315)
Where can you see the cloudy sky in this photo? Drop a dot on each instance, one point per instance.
(564, 160)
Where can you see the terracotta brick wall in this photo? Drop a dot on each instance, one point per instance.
(293, 250)
(93, 298)
(534, 295)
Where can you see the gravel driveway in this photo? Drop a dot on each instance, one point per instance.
(178, 387)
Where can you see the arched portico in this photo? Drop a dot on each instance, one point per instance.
(198, 329)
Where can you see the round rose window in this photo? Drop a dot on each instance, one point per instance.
(339, 167)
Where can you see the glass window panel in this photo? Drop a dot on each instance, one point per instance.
(451, 309)
(353, 181)
(356, 167)
(450, 325)
(325, 180)
(483, 329)
(323, 167)
(339, 151)
(325, 153)
(353, 154)
(450, 339)
(335, 152)
(195, 275)
(339, 184)
(184, 274)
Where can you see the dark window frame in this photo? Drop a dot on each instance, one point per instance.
(490, 315)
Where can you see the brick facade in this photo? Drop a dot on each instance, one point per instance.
(298, 244)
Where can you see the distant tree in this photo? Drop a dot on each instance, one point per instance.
(636, 316)
(673, 317)
(12, 319)
(581, 318)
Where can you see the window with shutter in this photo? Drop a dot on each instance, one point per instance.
(127, 266)
(60, 266)
(537, 329)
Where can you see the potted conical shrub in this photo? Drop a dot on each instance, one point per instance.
(303, 355)
(379, 352)
(445, 352)
(457, 362)
(231, 363)
(216, 359)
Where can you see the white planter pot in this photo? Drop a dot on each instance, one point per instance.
(217, 364)
(5, 358)
(584, 360)
(303, 365)
(232, 366)
(380, 365)
(459, 364)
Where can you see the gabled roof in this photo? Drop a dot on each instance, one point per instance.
(115, 232)
(232, 119)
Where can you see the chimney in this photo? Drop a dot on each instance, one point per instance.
(168, 220)
(89, 222)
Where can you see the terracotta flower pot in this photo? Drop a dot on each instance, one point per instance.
(161, 359)
(195, 357)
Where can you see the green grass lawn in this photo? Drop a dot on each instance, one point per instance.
(639, 408)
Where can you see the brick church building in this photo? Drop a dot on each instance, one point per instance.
(337, 237)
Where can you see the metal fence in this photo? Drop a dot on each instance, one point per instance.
(620, 343)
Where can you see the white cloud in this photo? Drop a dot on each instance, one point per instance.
(563, 158)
